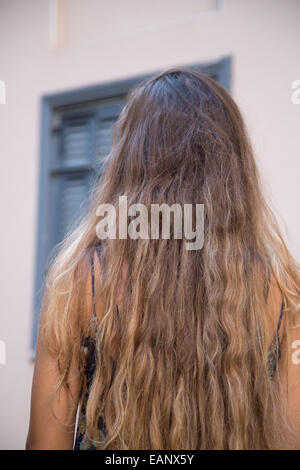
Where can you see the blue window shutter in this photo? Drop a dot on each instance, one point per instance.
(81, 136)
(70, 173)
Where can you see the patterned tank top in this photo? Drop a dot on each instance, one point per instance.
(81, 441)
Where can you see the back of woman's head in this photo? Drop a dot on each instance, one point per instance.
(188, 339)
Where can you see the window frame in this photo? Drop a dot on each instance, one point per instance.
(80, 96)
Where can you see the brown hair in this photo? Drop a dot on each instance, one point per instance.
(189, 338)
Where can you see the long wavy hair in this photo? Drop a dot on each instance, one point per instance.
(181, 361)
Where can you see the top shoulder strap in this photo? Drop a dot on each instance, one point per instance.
(276, 336)
(280, 317)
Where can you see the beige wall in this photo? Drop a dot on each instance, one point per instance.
(46, 46)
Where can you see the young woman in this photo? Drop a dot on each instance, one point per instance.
(164, 347)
